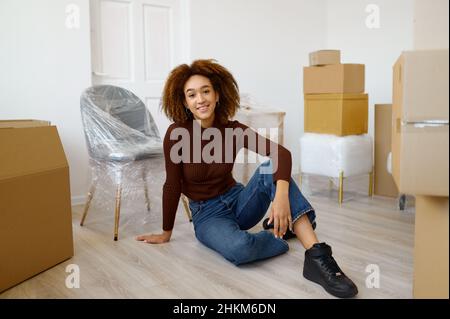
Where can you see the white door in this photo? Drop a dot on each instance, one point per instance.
(135, 44)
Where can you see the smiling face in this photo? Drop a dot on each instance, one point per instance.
(201, 98)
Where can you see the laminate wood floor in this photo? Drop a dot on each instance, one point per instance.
(362, 232)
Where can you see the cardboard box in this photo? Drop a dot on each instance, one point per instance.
(384, 184)
(35, 208)
(333, 78)
(338, 114)
(431, 248)
(420, 123)
(324, 57)
(22, 123)
(421, 86)
(420, 159)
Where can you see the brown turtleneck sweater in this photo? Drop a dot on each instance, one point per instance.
(204, 177)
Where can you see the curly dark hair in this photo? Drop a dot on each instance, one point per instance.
(221, 79)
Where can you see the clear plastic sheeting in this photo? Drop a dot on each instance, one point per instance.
(140, 186)
(389, 163)
(268, 122)
(117, 125)
(328, 155)
(126, 153)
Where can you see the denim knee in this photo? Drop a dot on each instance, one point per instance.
(241, 251)
(246, 250)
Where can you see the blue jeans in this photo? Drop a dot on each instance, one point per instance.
(221, 223)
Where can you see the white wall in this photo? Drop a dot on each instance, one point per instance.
(265, 44)
(44, 67)
(377, 48)
(430, 24)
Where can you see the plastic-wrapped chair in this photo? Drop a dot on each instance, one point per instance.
(119, 132)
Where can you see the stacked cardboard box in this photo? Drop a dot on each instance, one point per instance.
(384, 184)
(324, 57)
(35, 211)
(420, 160)
(335, 102)
(336, 107)
(431, 247)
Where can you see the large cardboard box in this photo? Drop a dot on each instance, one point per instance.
(338, 114)
(420, 159)
(421, 86)
(431, 248)
(35, 210)
(333, 78)
(324, 57)
(420, 123)
(384, 184)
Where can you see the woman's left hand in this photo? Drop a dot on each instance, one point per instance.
(280, 214)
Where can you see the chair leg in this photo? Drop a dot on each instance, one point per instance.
(117, 211)
(300, 180)
(186, 208)
(341, 187)
(245, 177)
(147, 201)
(402, 202)
(88, 201)
(371, 183)
(330, 183)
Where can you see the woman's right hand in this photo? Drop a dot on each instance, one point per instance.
(156, 238)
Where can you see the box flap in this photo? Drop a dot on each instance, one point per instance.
(30, 150)
(326, 51)
(22, 123)
(336, 96)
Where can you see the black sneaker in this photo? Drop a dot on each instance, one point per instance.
(289, 234)
(321, 268)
